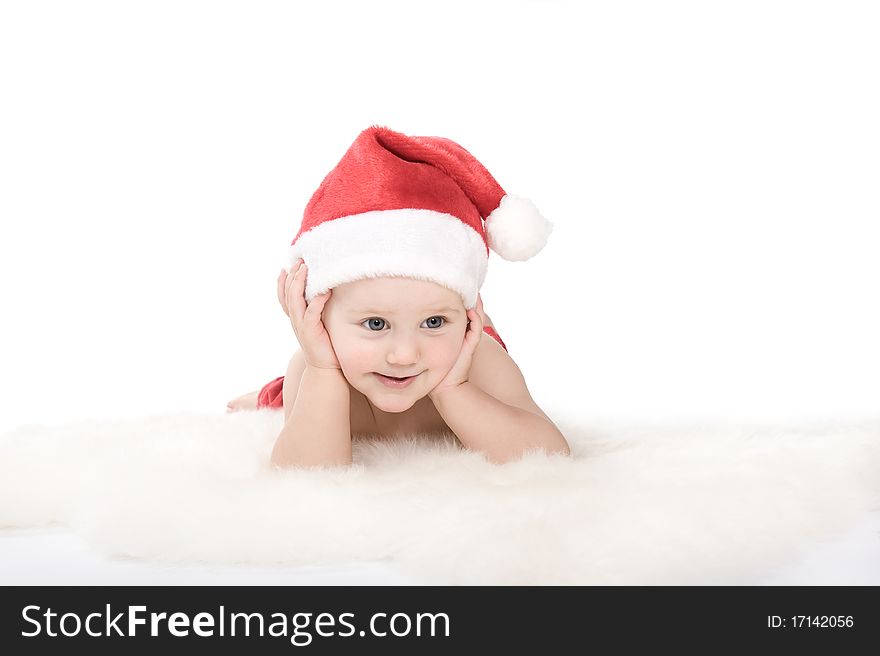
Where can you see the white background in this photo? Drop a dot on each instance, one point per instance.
(711, 170)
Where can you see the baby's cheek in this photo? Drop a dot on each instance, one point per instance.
(354, 358)
(443, 359)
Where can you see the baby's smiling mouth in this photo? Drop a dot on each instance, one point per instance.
(396, 377)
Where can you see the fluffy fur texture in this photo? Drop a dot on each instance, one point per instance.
(516, 230)
(421, 244)
(635, 505)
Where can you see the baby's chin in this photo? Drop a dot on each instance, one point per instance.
(392, 405)
(391, 402)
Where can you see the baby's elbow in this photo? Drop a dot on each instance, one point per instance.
(280, 461)
(503, 457)
(557, 450)
(564, 447)
(557, 445)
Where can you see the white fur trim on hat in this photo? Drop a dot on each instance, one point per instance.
(516, 230)
(413, 243)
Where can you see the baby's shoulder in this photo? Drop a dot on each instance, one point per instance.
(496, 373)
(491, 362)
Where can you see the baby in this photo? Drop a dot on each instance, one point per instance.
(390, 324)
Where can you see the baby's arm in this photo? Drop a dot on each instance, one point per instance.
(493, 411)
(502, 431)
(317, 430)
(317, 426)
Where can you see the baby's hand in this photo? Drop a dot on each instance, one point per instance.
(306, 318)
(460, 371)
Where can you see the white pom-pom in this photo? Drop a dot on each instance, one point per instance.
(516, 230)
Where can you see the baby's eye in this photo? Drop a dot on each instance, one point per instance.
(430, 321)
(371, 323)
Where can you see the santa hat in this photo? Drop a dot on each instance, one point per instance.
(418, 207)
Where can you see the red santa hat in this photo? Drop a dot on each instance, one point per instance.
(417, 207)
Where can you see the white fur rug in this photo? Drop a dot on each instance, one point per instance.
(693, 504)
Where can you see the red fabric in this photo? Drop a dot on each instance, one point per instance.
(492, 333)
(271, 395)
(388, 170)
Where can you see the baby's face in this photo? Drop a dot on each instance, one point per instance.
(397, 327)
